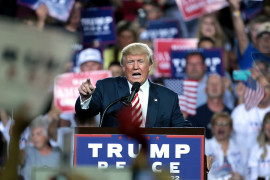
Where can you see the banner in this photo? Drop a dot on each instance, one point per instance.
(165, 28)
(180, 155)
(66, 87)
(98, 24)
(162, 48)
(30, 60)
(213, 61)
(192, 9)
(59, 9)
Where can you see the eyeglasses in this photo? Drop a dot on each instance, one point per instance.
(221, 123)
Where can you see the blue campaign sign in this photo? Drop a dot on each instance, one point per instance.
(164, 28)
(98, 24)
(59, 9)
(213, 61)
(181, 155)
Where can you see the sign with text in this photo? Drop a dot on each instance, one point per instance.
(98, 24)
(181, 155)
(162, 48)
(59, 9)
(66, 87)
(192, 9)
(213, 61)
(165, 28)
(30, 60)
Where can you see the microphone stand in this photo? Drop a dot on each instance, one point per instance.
(122, 100)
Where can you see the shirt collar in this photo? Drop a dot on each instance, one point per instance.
(144, 87)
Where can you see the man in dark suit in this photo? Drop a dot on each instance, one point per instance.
(159, 105)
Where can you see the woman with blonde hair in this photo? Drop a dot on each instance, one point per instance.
(210, 27)
(259, 158)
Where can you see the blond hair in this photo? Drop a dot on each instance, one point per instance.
(219, 37)
(137, 49)
(262, 139)
(221, 115)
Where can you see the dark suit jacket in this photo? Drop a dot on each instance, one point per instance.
(163, 107)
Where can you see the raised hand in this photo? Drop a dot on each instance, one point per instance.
(86, 89)
(234, 4)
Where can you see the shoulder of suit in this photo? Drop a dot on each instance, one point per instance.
(162, 88)
(112, 79)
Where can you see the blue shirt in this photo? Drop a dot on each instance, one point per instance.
(251, 53)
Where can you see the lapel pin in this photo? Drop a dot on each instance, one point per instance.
(155, 100)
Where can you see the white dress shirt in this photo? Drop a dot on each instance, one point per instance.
(143, 96)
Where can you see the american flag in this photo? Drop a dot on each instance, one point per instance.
(187, 93)
(254, 93)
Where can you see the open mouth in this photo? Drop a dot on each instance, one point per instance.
(136, 75)
(221, 132)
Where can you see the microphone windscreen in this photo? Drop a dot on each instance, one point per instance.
(135, 86)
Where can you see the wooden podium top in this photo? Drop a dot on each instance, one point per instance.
(165, 131)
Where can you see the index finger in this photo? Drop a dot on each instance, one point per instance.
(88, 81)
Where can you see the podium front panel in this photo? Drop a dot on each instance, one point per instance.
(180, 151)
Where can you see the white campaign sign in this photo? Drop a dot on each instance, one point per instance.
(30, 59)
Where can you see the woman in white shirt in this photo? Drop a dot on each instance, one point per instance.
(259, 160)
(228, 157)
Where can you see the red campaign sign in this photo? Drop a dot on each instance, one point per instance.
(162, 49)
(66, 87)
(192, 9)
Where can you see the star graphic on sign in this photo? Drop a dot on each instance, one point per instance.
(120, 137)
(157, 138)
(148, 137)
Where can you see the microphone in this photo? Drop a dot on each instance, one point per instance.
(135, 88)
(122, 100)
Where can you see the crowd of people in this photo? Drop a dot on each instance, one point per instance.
(237, 138)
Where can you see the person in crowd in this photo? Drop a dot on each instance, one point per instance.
(196, 70)
(126, 34)
(116, 69)
(214, 89)
(59, 127)
(248, 123)
(74, 20)
(210, 27)
(41, 154)
(228, 157)
(259, 68)
(206, 43)
(90, 59)
(252, 27)
(59, 121)
(153, 10)
(258, 162)
(159, 105)
(261, 44)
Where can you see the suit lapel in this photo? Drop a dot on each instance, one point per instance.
(123, 89)
(153, 104)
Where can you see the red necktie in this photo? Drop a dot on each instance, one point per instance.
(137, 111)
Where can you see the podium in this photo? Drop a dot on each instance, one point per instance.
(180, 151)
